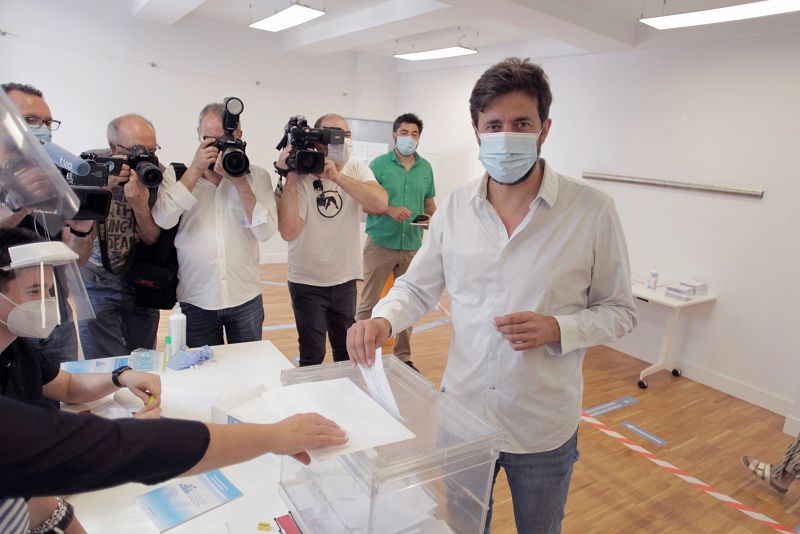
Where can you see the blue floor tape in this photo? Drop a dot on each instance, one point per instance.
(644, 433)
(611, 406)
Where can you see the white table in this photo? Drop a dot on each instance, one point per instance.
(658, 296)
(237, 367)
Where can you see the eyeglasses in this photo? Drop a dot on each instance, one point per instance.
(36, 122)
(128, 149)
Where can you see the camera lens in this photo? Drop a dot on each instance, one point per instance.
(235, 162)
(310, 162)
(149, 174)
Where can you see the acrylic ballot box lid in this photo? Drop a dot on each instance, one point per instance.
(448, 436)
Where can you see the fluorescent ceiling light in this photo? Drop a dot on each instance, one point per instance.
(439, 53)
(723, 14)
(291, 16)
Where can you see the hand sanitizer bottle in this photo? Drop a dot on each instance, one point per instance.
(177, 328)
(652, 282)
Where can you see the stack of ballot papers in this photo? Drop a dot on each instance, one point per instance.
(366, 422)
(687, 290)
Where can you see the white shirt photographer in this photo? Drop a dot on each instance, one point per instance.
(215, 242)
(328, 250)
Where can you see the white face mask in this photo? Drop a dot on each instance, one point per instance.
(340, 154)
(508, 157)
(25, 320)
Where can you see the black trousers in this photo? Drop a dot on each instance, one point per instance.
(321, 310)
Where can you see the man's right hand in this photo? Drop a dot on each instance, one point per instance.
(124, 176)
(205, 156)
(282, 157)
(398, 213)
(364, 337)
(298, 434)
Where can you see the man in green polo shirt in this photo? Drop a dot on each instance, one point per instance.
(393, 237)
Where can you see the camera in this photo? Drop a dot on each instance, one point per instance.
(306, 157)
(145, 164)
(234, 160)
(94, 199)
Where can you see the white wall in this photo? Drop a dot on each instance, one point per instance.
(72, 51)
(723, 113)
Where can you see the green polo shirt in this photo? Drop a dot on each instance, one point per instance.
(405, 188)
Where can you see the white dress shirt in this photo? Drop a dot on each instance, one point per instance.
(566, 259)
(218, 252)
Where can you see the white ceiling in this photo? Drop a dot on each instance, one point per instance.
(540, 28)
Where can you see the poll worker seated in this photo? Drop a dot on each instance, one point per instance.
(42, 450)
(27, 374)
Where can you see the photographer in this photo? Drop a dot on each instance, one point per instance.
(62, 344)
(121, 326)
(319, 216)
(221, 219)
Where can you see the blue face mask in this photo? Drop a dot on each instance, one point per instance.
(43, 134)
(508, 156)
(405, 145)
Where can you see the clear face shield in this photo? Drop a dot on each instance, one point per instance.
(28, 178)
(38, 285)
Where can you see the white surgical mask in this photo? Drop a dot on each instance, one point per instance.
(508, 156)
(25, 320)
(43, 134)
(406, 145)
(340, 154)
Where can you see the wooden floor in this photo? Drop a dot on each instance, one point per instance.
(615, 490)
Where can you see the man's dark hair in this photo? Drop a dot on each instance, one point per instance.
(409, 118)
(22, 88)
(11, 237)
(511, 74)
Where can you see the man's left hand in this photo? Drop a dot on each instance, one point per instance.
(136, 193)
(528, 330)
(219, 169)
(146, 386)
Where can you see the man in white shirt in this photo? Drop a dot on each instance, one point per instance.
(320, 218)
(222, 220)
(536, 268)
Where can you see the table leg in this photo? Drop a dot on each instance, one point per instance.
(666, 345)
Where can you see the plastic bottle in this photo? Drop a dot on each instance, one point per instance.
(652, 282)
(177, 328)
(167, 350)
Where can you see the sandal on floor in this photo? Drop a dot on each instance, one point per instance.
(763, 471)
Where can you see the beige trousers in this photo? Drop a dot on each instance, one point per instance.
(378, 263)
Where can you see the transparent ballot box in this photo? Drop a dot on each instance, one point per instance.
(436, 482)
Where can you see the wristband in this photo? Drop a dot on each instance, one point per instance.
(78, 233)
(115, 374)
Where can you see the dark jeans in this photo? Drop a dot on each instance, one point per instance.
(241, 323)
(539, 484)
(120, 327)
(318, 310)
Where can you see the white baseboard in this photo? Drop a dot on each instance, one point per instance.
(792, 425)
(726, 384)
(274, 257)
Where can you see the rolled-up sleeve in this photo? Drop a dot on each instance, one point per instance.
(264, 219)
(46, 452)
(610, 311)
